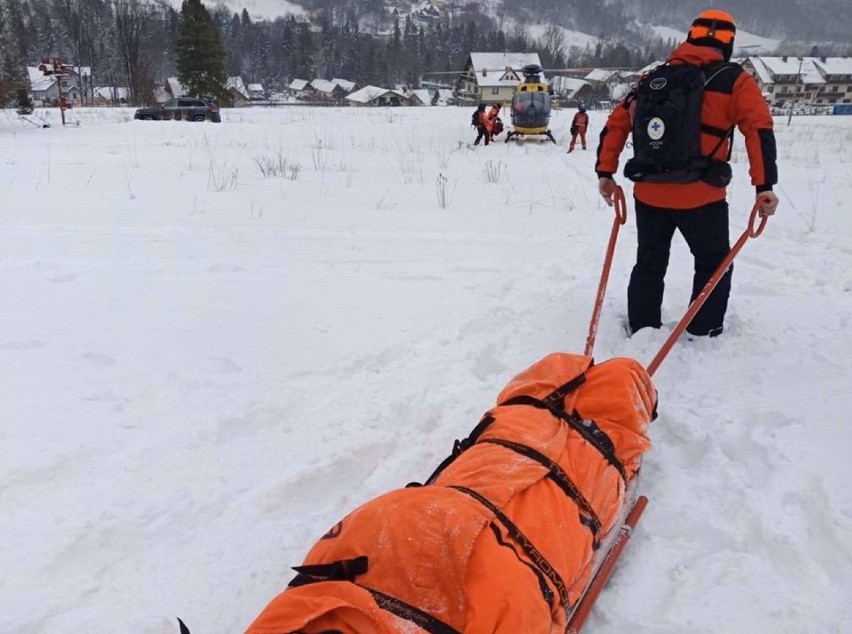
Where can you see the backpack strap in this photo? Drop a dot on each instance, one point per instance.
(715, 71)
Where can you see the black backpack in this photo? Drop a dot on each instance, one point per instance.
(474, 119)
(667, 127)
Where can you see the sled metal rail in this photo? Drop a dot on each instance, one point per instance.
(752, 231)
(608, 555)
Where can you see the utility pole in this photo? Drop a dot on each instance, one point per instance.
(54, 66)
(798, 83)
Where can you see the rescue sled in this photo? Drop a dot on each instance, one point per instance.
(518, 530)
(509, 534)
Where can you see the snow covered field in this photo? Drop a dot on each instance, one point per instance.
(202, 368)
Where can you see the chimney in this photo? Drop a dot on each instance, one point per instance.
(823, 59)
(784, 59)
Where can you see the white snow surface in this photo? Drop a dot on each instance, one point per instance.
(202, 369)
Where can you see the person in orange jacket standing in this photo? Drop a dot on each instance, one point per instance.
(482, 125)
(680, 165)
(579, 125)
(495, 124)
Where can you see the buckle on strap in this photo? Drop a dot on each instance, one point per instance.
(340, 570)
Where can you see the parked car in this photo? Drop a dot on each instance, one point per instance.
(181, 110)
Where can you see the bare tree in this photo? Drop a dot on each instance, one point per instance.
(77, 19)
(132, 19)
(553, 43)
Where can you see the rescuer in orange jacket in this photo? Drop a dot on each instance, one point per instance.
(697, 208)
(483, 127)
(495, 124)
(493, 113)
(579, 125)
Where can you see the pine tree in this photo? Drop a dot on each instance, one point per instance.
(200, 56)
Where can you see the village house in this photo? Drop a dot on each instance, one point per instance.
(608, 84)
(170, 89)
(256, 92)
(439, 94)
(571, 91)
(419, 97)
(373, 96)
(493, 77)
(76, 87)
(326, 91)
(299, 88)
(813, 81)
(238, 94)
(111, 96)
(348, 86)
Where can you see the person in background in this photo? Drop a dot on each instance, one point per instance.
(690, 198)
(579, 125)
(480, 121)
(493, 112)
(495, 124)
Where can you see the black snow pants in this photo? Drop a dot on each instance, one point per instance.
(483, 133)
(705, 230)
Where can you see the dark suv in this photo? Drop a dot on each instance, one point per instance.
(181, 110)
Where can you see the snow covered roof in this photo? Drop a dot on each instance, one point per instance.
(491, 68)
(175, 87)
(812, 70)
(568, 86)
(255, 87)
(298, 84)
(649, 67)
(834, 65)
(762, 72)
(371, 93)
(344, 83)
(601, 75)
(236, 83)
(422, 95)
(619, 91)
(793, 66)
(323, 85)
(111, 93)
(38, 81)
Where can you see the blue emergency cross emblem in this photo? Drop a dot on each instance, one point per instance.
(656, 129)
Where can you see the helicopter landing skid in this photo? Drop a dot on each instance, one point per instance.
(520, 137)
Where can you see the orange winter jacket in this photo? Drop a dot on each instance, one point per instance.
(580, 121)
(501, 538)
(483, 121)
(733, 98)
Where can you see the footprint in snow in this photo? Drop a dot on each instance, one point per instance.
(62, 278)
(223, 365)
(29, 344)
(98, 360)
